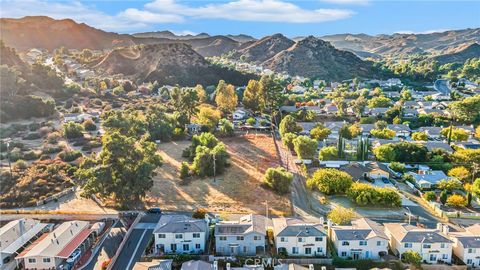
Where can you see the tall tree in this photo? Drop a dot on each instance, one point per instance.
(272, 92)
(226, 97)
(253, 96)
(122, 171)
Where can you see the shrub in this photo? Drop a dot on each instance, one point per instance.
(397, 167)
(456, 200)
(341, 215)
(226, 127)
(20, 165)
(289, 125)
(305, 147)
(278, 179)
(32, 136)
(412, 257)
(330, 181)
(328, 153)
(31, 155)
(184, 170)
(430, 196)
(72, 130)
(53, 137)
(69, 156)
(199, 213)
(251, 121)
(366, 194)
(89, 125)
(288, 140)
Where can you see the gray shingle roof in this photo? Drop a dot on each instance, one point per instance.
(296, 227)
(361, 229)
(405, 233)
(246, 224)
(180, 224)
(469, 241)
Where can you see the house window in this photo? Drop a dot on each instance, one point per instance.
(197, 246)
(442, 245)
(469, 261)
(345, 243)
(244, 249)
(300, 239)
(320, 250)
(32, 260)
(363, 243)
(344, 254)
(196, 235)
(239, 238)
(445, 256)
(294, 250)
(308, 251)
(186, 247)
(379, 243)
(178, 236)
(318, 239)
(161, 235)
(471, 250)
(433, 257)
(427, 246)
(282, 239)
(173, 247)
(257, 238)
(46, 260)
(223, 238)
(408, 245)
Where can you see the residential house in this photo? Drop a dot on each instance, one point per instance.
(433, 245)
(330, 109)
(293, 266)
(364, 239)
(306, 127)
(180, 234)
(52, 249)
(154, 265)
(427, 178)
(369, 169)
(409, 113)
(289, 109)
(18, 234)
(366, 128)
(239, 114)
(80, 117)
(431, 146)
(400, 129)
(375, 111)
(298, 89)
(199, 265)
(245, 236)
(432, 132)
(438, 112)
(392, 94)
(466, 245)
(410, 104)
(297, 237)
(334, 127)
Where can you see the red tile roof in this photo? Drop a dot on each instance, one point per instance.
(70, 247)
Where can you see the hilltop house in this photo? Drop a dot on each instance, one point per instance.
(180, 234)
(297, 237)
(373, 170)
(245, 236)
(466, 245)
(364, 239)
(427, 178)
(432, 244)
(432, 132)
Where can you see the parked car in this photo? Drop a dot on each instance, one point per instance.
(74, 256)
(155, 210)
(385, 180)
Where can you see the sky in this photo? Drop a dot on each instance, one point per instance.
(257, 17)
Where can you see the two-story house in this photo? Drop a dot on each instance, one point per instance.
(180, 234)
(466, 245)
(245, 236)
(297, 237)
(433, 245)
(364, 239)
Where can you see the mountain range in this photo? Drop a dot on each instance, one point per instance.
(332, 57)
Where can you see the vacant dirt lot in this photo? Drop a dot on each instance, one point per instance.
(237, 190)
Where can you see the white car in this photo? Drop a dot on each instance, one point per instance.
(74, 256)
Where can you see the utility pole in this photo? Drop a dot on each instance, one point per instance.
(266, 206)
(214, 168)
(9, 161)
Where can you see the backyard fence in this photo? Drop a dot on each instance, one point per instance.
(56, 196)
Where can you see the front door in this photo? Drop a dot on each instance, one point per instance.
(367, 254)
(356, 255)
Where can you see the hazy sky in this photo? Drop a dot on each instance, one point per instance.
(257, 17)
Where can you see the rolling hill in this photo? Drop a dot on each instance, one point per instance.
(265, 48)
(460, 55)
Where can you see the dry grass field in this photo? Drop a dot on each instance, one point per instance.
(238, 190)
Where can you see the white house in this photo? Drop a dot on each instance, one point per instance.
(364, 239)
(245, 236)
(16, 235)
(239, 114)
(52, 250)
(180, 234)
(433, 245)
(297, 237)
(427, 178)
(466, 245)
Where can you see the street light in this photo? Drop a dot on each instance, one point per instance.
(214, 167)
(409, 215)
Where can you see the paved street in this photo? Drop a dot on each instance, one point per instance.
(441, 85)
(136, 243)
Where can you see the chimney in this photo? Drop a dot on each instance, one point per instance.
(215, 265)
(329, 228)
(228, 266)
(440, 227)
(446, 229)
(321, 221)
(310, 267)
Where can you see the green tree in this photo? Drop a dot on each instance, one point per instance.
(476, 187)
(253, 97)
(398, 167)
(160, 127)
(383, 133)
(129, 123)
(430, 196)
(443, 196)
(305, 147)
(456, 200)
(272, 92)
(461, 173)
(185, 101)
(289, 125)
(89, 125)
(341, 215)
(320, 133)
(226, 127)
(72, 130)
(122, 171)
(288, 140)
(201, 94)
(379, 102)
(419, 136)
(278, 179)
(467, 109)
(385, 153)
(226, 97)
(455, 134)
(204, 160)
(328, 153)
(330, 181)
(208, 116)
(449, 185)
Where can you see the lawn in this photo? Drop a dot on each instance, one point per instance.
(238, 190)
